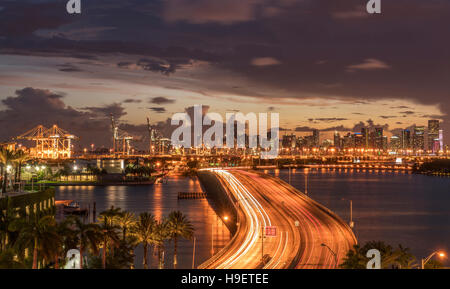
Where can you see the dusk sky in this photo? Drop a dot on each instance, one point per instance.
(320, 64)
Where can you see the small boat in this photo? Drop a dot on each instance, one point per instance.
(73, 208)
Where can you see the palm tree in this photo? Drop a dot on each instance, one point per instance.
(161, 234)
(36, 232)
(88, 236)
(7, 216)
(125, 220)
(9, 261)
(144, 231)
(108, 230)
(179, 226)
(6, 157)
(19, 158)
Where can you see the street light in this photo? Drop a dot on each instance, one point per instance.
(332, 253)
(425, 260)
(351, 224)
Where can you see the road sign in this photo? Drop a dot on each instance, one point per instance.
(271, 231)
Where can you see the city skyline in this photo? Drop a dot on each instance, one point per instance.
(152, 60)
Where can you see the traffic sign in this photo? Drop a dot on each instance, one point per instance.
(271, 231)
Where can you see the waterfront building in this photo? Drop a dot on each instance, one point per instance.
(406, 139)
(395, 143)
(418, 138)
(379, 144)
(433, 134)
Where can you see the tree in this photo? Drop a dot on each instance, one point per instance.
(19, 158)
(161, 234)
(178, 226)
(8, 260)
(7, 216)
(88, 236)
(108, 230)
(390, 257)
(36, 232)
(6, 157)
(144, 232)
(125, 220)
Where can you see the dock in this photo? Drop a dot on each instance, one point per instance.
(191, 195)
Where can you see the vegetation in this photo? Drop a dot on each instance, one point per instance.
(178, 226)
(38, 241)
(435, 167)
(391, 258)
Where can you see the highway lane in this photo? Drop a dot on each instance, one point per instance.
(302, 226)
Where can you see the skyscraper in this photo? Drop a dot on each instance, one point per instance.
(406, 139)
(379, 138)
(418, 138)
(365, 135)
(337, 140)
(315, 138)
(433, 134)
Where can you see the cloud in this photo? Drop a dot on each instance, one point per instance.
(161, 100)
(327, 119)
(132, 100)
(433, 116)
(265, 61)
(388, 116)
(205, 11)
(356, 13)
(115, 109)
(158, 109)
(30, 107)
(333, 128)
(368, 64)
(68, 67)
(408, 112)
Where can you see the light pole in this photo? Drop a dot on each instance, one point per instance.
(306, 181)
(425, 260)
(193, 256)
(351, 224)
(332, 253)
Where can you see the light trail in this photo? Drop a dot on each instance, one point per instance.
(261, 201)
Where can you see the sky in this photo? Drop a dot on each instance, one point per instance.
(322, 64)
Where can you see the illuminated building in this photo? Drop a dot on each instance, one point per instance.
(315, 138)
(418, 138)
(288, 141)
(365, 135)
(378, 138)
(433, 135)
(337, 140)
(395, 143)
(406, 139)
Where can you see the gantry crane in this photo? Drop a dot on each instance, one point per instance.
(51, 143)
(121, 139)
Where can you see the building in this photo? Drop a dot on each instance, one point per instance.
(337, 140)
(358, 140)
(288, 141)
(406, 139)
(419, 138)
(365, 135)
(378, 138)
(395, 143)
(433, 135)
(315, 138)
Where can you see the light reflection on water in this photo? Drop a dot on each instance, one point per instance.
(160, 200)
(396, 207)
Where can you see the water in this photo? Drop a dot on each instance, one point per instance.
(160, 200)
(395, 207)
(398, 208)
